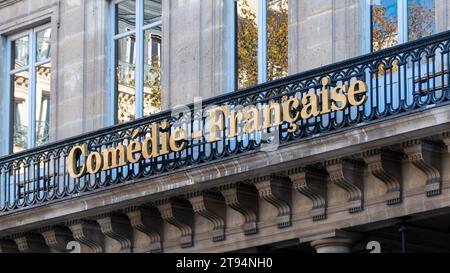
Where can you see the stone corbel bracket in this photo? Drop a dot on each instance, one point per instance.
(426, 156)
(88, 233)
(8, 246)
(446, 139)
(348, 175)
(30, 243)
(386, 166)
(180, 215)
(117, 227)
(243, 198)
(57, 237)
(277, 190)
(148, 221)
(312, 183)
(211, 206)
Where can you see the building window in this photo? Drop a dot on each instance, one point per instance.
(30, 76)
(137, 51)
(261, 41)
(399, 21)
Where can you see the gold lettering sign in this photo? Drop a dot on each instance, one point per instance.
(222, 121)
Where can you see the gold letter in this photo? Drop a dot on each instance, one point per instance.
(275, 108)
(74, 155)
(216, 123)
(293, 103)
(235, 118)
(338, 97)
(177, 136)
(94, 163)
(253, 119)
(114, 157)
(164, 138)
(153, 140)
(310, 106)
(358, 87)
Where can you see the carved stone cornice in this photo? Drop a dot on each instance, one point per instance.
(312, 183)
(277, 190)
(117, 227)
(57, 237)
(386, 166)
(243, 199)
(8, 246)
(88, 233)
(426, 156)
(348, 175)
(148, 221)
(30, 243)
(180, 215)
(212, 207)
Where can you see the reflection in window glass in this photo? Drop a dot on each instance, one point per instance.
(43, 75)
(152, 11)
(125, 78)
(125, 16)
(152, 71)
(384, 24)
(247, 43)
(43, 45)
(277, 39)
(20, 84)
(421, 19)
(138, 60)
(20, 52)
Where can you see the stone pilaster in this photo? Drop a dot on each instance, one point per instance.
(333, 245)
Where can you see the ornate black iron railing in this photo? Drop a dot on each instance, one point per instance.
(400, 80)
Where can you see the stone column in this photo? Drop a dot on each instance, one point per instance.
(333, 245)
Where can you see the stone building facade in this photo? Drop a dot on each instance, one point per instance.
(332, 190)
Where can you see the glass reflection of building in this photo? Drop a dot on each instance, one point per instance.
(30, 74)
(138, 47)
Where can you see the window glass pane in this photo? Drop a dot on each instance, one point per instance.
(20, 52)
(125, 78)
(247, 43)
(20, 84)
(125, 16)
(152, 11)
(421, 19)
(152, 71)
(277, 39)
(43, 45)
(43, 76)
(384, 24)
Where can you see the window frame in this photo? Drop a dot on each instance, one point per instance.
(31, 67)
(139, 32)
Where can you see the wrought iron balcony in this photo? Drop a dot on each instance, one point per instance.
(401, 80)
